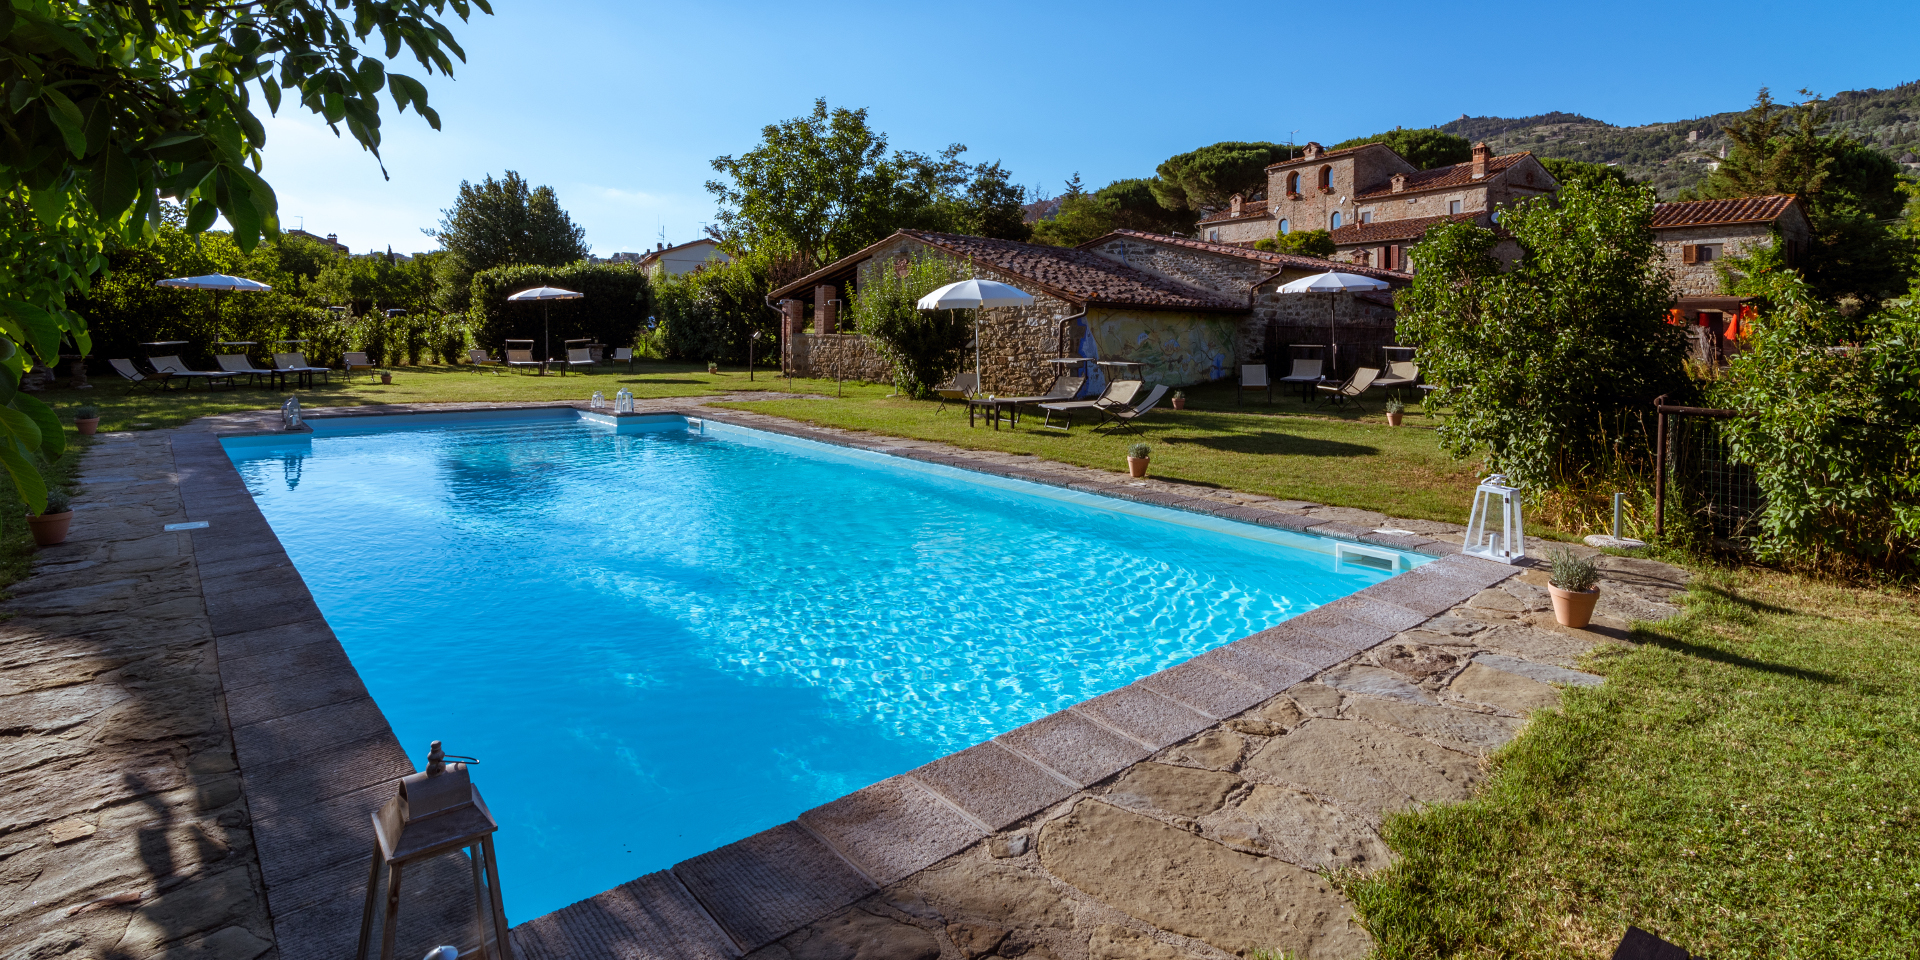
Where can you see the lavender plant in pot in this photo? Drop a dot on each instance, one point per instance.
(1395, 410)
(1179, 400)
(1574, 585)
(87, 419)
(1137, 456)
(49, 526)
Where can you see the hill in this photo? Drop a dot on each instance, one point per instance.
(1677, 155)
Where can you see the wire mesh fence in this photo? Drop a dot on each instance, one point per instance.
(1702, 485)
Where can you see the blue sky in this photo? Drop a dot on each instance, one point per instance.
(621, 106)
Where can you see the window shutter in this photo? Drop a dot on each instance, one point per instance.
(1689, 253)
(1393, 257)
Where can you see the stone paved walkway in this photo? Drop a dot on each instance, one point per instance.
(169, 697)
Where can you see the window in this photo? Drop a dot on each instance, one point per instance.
(1699, 252)
(1213, 235)
(1366, 216)
(1326, 179)
(1293, 182)
(1284, 228)
(1334, 221)
(1453, 206)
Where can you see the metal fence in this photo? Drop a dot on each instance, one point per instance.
(1700, 476)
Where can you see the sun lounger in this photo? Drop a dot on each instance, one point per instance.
(1399, 373)
(1253, 376)
(132, 374)
(524, 358)
(1121, 416)
(356, 361)
(238, 365)
(1352, 389)
(577, 357)
(962, 386)
(479, 359)
(178, 368)
(1064, 387)
(1120, 392)
(1306, 373)
(296, 363)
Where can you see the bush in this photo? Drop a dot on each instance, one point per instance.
(1831, 433)
(1549, 366)
(712, 314)
(924, 347)
(613, 307)
(1302, 243)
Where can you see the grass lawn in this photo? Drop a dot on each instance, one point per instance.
(1746, 784)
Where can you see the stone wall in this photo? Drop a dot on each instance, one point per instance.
(1702, 279)
(1220, 273)
(847, 356)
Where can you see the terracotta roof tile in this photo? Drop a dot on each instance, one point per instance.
(1440, 178)
(1248, 210)
(1325, 154)
(1380, 231)
(1278, 260)
(1696, 213)
(1078, 275)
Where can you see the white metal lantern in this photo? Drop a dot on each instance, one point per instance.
(623, 401)
(1506, 542)
(599, 400)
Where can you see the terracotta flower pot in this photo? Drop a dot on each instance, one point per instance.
(1137, 466)
(1393, 417)
(1180, 403)
(1571, 608)
(386, 378)
(50, 529)
(87, 425)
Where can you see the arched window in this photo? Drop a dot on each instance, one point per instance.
(1334, 221)
(1293, 183)
(1284, 229)
(1326, 178)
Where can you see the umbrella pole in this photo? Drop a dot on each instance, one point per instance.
(978, 387)
(546, 337)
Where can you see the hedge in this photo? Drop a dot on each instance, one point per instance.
(612, 310)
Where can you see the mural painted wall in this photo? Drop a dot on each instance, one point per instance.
(1177, 349)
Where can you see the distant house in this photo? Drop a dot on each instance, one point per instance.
(331, 240)
(1187, 311)
(683, 258)
(1374, 203)
(1697, 235)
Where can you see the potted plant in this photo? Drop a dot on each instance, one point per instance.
(87, 418)
(50, 525)
(1395, 410)
(1137, 456)
(1179, 400)
(386, 376)
(713, 366)
(1573, 585)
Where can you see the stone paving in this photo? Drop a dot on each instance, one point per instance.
(172, 698)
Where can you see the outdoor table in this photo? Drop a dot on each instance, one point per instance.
(994, 409)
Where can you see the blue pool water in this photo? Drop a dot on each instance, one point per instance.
(660, 642)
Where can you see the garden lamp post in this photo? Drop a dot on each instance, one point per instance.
(750, 342)
(436, 811)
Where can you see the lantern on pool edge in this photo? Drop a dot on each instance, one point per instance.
(1494, 530)
(623, 401)
(437, 811)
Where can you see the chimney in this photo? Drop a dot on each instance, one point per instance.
(1312, 152)
(1233, 206)
(1480, 156)
(662, 245)
(1399, 182)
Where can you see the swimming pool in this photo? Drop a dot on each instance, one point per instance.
(661, 640)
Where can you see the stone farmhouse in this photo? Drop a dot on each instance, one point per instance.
(1375, 205)
(1189, 311)
(1697, 235)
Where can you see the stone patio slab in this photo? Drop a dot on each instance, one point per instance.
(305, 661)
(1337, 628)
(1543, 672)
(253, 643)
(1075, 747)
(652, 918)
(892, 829)
(1377, 611)
(766, 886)
(1205, 690)
(265, 701)
(1297, 645)
(289, 738)
(1260, 665)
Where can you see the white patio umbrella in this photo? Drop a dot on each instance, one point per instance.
(217, 282)
(1331, 283)
(974, 294)
(546, 332)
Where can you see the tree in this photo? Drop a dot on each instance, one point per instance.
(1849, 188)
(1135, 207)
(1567, 171)
(924, 347)
(500, 223)
(1206, 178)
(822, 186)
(1542, 363)
(1081, 216)
(114, 107)
(1304, 243)
(1425, 149)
